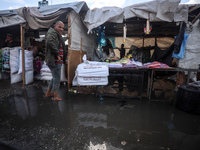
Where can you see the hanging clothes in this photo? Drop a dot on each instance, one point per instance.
(179, 38)
(164, 56)
(181, 53)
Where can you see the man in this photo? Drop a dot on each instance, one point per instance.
(9, 41)
(108, 47)
(122, 51)
(55, 57)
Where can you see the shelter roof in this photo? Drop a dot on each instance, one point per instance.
(164, 16)
(39, 17)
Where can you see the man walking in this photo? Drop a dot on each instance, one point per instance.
(55, 57)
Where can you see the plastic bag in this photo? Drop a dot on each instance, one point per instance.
(181, 54)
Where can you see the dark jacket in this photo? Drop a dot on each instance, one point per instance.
(53, 42)
(10, 44)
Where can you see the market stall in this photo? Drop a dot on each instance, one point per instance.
(37, 20)
(148, 28)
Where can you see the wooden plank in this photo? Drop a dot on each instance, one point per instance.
(73, 62)
(195, 19)
(194, 8)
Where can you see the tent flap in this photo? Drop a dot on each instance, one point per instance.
(39, 17)
(157, 10)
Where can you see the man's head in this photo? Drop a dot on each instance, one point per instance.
(122, 46)
(59, 26)
(9, 37)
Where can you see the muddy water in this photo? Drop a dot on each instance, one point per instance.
(29, 121)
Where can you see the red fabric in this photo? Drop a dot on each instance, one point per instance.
(60, 54)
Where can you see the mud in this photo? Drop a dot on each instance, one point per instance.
(28, 120)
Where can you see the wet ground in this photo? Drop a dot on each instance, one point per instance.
(29, 121)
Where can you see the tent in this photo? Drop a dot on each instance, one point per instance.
(165, 17)
(39, 19)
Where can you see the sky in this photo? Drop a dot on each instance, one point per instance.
(14, 4)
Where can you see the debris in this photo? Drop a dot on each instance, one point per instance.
(123, 143)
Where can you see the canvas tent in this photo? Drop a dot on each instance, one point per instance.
(41, 18)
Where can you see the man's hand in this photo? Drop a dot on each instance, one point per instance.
(59, 59)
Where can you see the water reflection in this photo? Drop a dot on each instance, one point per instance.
(82, 122)
(23, 103)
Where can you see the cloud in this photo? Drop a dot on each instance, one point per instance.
(14, 7)
(103, 3)
(14, 4)
(193, 2)
(15, 1)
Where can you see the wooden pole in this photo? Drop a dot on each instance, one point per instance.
(81, 51)
(143, 43)
(69, 46)
(195, 19)
(22, 46)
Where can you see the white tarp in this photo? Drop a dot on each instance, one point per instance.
(98, 16)
(79, 33)
(44, 17)
(192, 49)
(39, 17)
(10, 18)
(157, 10)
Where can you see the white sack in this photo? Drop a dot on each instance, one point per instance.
(92, 80)
(92, 70)
(45, 68)
(14, 59)
(15, 78)
(28, 77)
(28, 61)
(46, 78)
(46, 74)
(63, 76)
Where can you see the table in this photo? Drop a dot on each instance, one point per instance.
(152, 70)
(129, 78)
(138, 73)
